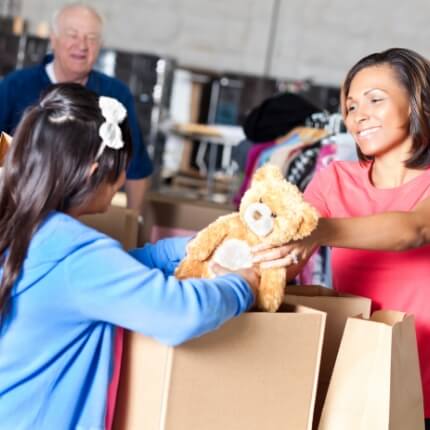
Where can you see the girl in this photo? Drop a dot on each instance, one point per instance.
(386, 106)
(64, 287)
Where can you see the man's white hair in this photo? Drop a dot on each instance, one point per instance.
(57, 14)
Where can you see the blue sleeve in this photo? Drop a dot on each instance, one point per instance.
(164, 255)
(140, 165)
(104, 283)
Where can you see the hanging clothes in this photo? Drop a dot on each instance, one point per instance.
(276, 116)
(252, 159)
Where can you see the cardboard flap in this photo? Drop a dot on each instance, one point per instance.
(339, 307)
(310, 290)
(390, 318)
(316, 291)
(5, 141)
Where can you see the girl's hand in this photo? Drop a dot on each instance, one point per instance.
(250, 274)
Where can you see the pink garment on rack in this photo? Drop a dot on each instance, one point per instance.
(327, 154)
(251, 161)
(312, 270)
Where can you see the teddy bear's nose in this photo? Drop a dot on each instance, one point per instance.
(257, 215)
(258, 219)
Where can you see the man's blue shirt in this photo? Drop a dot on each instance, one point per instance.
(22, 88)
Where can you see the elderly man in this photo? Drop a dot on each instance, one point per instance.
(76, 40)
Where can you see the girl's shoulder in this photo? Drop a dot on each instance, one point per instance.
(63, 233)
(63, 224)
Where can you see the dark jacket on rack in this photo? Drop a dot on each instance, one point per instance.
(276, 116)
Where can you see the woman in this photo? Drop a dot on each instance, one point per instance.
(386, 104)
(64, 286)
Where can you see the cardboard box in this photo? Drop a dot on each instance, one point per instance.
(338, 307)
(119, 223)
(257, 371)
(168, 213)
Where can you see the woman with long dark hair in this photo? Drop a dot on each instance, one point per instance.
(64, 286)
(386, 107)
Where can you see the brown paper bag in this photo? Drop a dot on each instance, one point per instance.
(376, 379)
(338, 307)
(5, 141)
(257, 371)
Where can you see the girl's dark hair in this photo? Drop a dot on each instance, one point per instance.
(47, 169)
(413, 73)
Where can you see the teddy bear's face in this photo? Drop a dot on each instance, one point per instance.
(274, 210)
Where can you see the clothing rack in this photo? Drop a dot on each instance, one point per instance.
(331, 122)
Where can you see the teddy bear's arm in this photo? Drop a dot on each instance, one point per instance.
(207, 240)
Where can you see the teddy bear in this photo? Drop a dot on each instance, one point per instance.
(273, 212)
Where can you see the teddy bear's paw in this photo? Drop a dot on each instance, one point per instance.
(269, 303)
(190, 269)
(233, 254)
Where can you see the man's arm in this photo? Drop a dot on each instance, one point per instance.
(135, 190)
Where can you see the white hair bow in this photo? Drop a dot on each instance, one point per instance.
(114, 113)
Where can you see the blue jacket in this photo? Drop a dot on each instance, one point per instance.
(75, 286)
(22, 88)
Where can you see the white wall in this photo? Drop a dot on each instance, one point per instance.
(321, 39)
(317, 39)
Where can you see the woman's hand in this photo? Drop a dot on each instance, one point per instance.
(291, 254)
(250, 275)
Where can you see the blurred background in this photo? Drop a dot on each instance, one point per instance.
(222, 65)
(213, 62)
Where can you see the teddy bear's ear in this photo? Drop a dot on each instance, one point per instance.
(269, 172)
